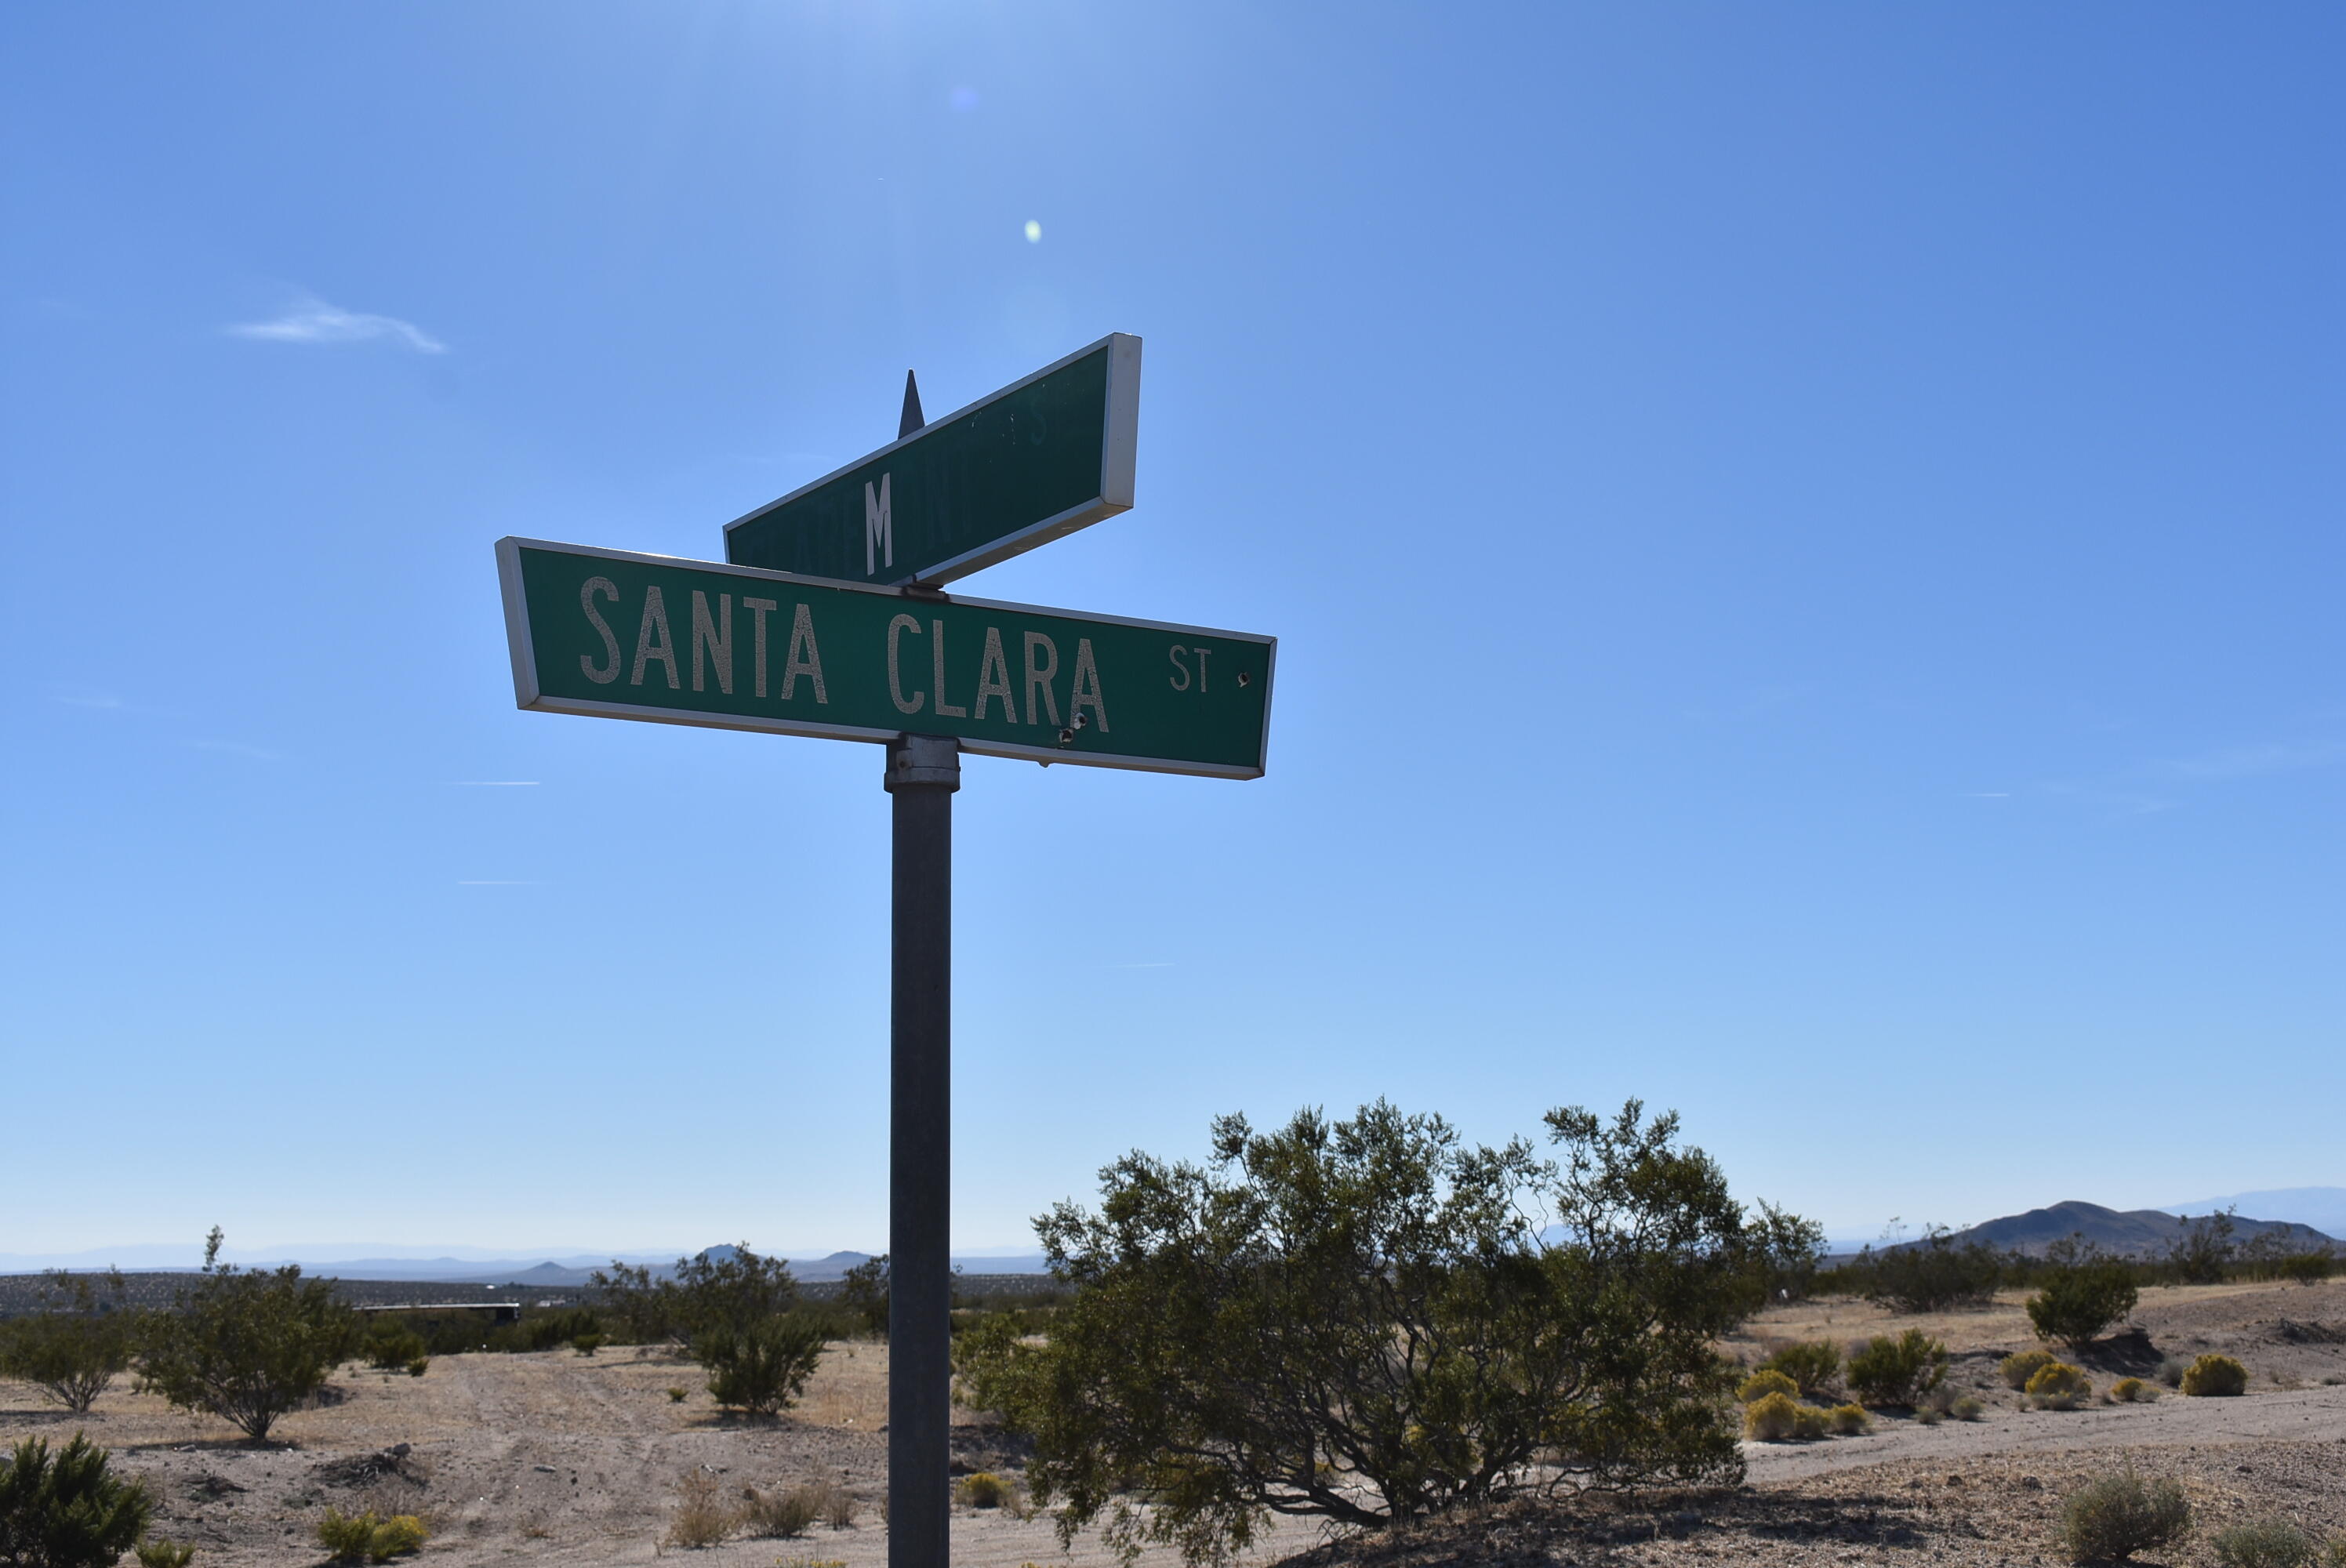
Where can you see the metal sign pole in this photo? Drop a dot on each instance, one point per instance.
(923, 771)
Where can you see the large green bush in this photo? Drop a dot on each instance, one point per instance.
(1887, 1371)
(702, 1293)
(64, 1510)
(2082, 1294)
(1812, 1366)
(75, 1345)
(760, 1368)
(246, 1346)
(1930, 1275)
(1367, 1321)
(863, 1292)
(2110, 1520)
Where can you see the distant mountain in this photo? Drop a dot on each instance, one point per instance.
(2322, 1208)
(2137, 1232)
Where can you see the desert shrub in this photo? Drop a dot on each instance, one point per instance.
(1761, 1383)
(1235, 1325)
(1888, 1371)
(65, 1510)
(418, 1367)
(1787, 1249)
(2265, 1543)
(394, 1350)
(1931, 1275)
(1809, 1423)
(2171, 1369)
(2132, 1391)
(2017, 1369)
(838, 1504)
(1770, 1418)
(2217, 1376)
(677, 1396)
(779, 1514)
(703, 1516)
(726, 1288)
(587, 1344)
(2082, 1294)
(759, 1369)
(1848, 1420)
(1967, 1408)
(2308, 1267)
(982, 1490)
(2202, 1253)
(2059, 1387)
(1812, 1366)
(544, 1329)
(75, 1345)
(863, 1292)
(2112, 1519)
(164, 1554)
(396, 1536)
(246, 1346)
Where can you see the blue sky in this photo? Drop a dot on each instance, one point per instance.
(1805, 542)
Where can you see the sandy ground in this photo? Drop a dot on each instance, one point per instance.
(562, 1458)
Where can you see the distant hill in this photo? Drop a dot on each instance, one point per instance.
(2135, 1233)
(2322, 1208)
(570, 1270)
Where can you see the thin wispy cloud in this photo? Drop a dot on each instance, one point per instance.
(237, 749)
(310, 320)
(85, 696)
(2251, 761)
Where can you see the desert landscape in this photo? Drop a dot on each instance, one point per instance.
(561, 1457)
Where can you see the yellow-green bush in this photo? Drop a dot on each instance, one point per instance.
(347, 1537)
(2132, 1391)
(1848, 1420)
(2059, 1387)
(164, 1553)
(982, 1490)
(2016, 1369)
(1809, 1424)
(1813, 1365)
(1771, 1418)
(1967, 1408)
(399, 1534)
(2219, 1377)
(1766, 1382)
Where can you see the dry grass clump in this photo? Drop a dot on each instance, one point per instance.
(777, 1515)
(1765, 1382)
(2110, 1520)
(2059, 1387)
(2017, 1369)
(2217, 1377)
(704, 1515)
(2132, 1391)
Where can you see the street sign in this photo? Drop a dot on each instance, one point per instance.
(627, 636)
(1033, 463)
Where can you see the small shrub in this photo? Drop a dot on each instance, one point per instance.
(2171, 1369)
(2111, 1519)
(164, 1554)
(1766, 1382)
(64, 1510)
(587, 1344)
(73, 1349)
(677, 1396)
(2217, 1377)
(703, 1517)
(1929, 1417)
(2017, 1369)
(2308, 1267)
(1769, 1418)
(761, 1368)
(1938, 1401)
(2265, 1543)
(347, 1536)
(246, 1346)
(1898, 1371)
(777, 1515)
(1848, 1420)
(2059, 1387)
(394, 1350)
(418, 1367)
(833, 1504)
(397, 1536)
(2132, 1391)
(1809, 1423)
(1811, 1366)
(1968, 1408)
(983, 1489)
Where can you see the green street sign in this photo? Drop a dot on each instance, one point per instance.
(619, 634)
(1033, 463)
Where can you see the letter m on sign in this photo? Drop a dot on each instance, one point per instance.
(878, 529)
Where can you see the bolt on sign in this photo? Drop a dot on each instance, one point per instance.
(626, 635)
(1020, 467)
